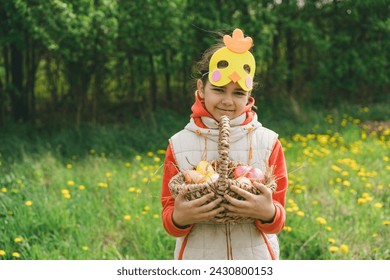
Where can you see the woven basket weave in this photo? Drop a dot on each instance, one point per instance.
(224, 167)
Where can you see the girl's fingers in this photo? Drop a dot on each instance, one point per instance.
(262, 188)
(202, 200)
(235, 202)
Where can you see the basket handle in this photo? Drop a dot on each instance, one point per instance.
(223, 153)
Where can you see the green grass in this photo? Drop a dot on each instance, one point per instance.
(94, 193)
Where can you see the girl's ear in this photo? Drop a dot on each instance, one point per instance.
(200, 88)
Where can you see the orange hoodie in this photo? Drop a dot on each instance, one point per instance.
(276, 159)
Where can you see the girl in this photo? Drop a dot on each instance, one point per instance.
(224, 88)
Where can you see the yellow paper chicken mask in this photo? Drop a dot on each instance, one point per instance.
(234, 62)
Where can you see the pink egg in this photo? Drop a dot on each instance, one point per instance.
(256, 174)
(241, 171)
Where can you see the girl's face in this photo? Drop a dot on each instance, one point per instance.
(229, 100)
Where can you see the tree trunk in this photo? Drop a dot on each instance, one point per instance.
(167, 76)
(153, 83)
(290, 56)
(19, 98)
(2, 104)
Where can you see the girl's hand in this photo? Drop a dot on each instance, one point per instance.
(260, 207)
(189, 212)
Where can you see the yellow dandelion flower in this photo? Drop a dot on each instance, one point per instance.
(102, 184)
(107, 174)
(18, 239)
(347, 183)
(147, 208)
(287, 228)
(16, 255)
(314, 203)
(368, 185)
(333, 249)
(2, 253)
(145, 180)
(138, 157)
(375, 235)
(386, 158)
(335, 168)
(127, 217)
(144, 212)
(156, 159)
(81, 187)
(332, 240)
(127, 164)
(69, 166)
(138, 191)
(70, 183)
(290, 201)
(85, 248)
(301, 213)
(161, 152)
(28, 203)
(3, 190)
(321, 220)
(67, 196)
(387, 167)
(289, 210)
(368, 197)
(328, 228)
(378, 205)
(156, 216)
(361, 200)
(336, 191)
(344, 249)
(386, 223)
(131, 189)
(64, 191)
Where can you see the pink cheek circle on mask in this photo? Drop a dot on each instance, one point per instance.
(249, 82)
(216, 76)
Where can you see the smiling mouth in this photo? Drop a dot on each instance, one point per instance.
(225, 110)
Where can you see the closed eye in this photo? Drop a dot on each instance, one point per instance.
(218, 89)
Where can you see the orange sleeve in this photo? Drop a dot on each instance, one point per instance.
(167, 201)
(279, 197)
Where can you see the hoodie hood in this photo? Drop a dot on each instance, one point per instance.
(202, 123)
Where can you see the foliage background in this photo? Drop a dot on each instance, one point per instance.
(94, 61)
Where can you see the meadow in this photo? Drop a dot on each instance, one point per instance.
(95, 193)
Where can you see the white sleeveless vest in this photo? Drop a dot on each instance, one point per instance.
(208, 240)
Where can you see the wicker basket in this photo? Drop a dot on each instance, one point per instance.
(224, 167)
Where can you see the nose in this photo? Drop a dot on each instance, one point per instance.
(227, 99)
